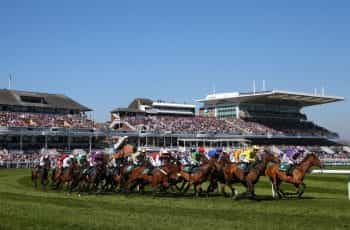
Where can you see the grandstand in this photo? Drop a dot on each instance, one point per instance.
(32, 120)
(269, 117)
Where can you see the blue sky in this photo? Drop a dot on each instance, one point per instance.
(105, 53)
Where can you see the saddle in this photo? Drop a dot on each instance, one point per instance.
(147, 172)
(286, 168)
(129, 169)
(191, 169)
(64, 170)
(245, 167)
(88, 171)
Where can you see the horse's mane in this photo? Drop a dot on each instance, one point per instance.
(307, 158)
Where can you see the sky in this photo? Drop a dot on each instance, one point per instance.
(106, 53)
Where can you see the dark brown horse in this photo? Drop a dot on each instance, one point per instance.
(226, 173)
(42, 174)
(297, 178)
(90, 182)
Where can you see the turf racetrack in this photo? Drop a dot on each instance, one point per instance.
(324, 206)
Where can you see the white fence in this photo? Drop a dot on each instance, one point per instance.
(18, 164)
(335, 172)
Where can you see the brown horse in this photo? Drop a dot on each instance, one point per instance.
(197, 178)
(137, 177)
(296, 179)
(165, 177)
(66, 177)
(257, 170)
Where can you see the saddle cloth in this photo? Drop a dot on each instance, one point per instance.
(191, 169)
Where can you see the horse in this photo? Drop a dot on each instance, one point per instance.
(197, 178)
(166, 176)
(297, 178)
(42, 174)
(67, 176)
(138, 177)
(257, 170)
(225, 173)
(92, 180)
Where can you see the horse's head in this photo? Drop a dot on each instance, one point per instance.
(315, 161)
(268, 157)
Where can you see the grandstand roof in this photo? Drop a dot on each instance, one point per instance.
(271, 97)
(43, 100)
(134, 107)
(127, 110)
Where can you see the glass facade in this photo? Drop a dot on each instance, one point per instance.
(226, 111)
(269, 108)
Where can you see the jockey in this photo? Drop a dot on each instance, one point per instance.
(185, 158)
(99, 158)
(248, 156)
(139, 158)
(44, 162)
(68, 161)
(82, 159)
(235, 156)
(155, 160)
(60, 160)
(291, 156)
(195, 158)
(215, 153)
(164, 157)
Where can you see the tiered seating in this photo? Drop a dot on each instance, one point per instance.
(229, 126)
(14, 119)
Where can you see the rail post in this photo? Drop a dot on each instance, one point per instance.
(349, 187)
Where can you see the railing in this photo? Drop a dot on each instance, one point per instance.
(21, 164)
(18, 164)
(336, 162)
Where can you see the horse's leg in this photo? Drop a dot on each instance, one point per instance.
(42, 179)
(223, 190)
(233, 191)
(276, 183)
(35, 179)
(250, 189)
(196, 194)
(300, 190)
(182, 186)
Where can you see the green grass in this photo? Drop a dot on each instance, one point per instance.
(325, 206)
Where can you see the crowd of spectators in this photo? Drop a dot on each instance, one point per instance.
(292, 127)
(16, 159)
(227, 126)
(182, 124)
(42, 120)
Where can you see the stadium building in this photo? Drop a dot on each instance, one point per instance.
(261, 105)
(225, 119)
(144, 106)
(32, 120)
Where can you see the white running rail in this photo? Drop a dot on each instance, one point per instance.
(335, 172)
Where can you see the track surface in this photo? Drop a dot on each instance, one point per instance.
(325, 206)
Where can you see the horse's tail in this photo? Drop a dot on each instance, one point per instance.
(53, 175)
(33, 175)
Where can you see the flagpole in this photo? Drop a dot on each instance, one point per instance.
(10, 78)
